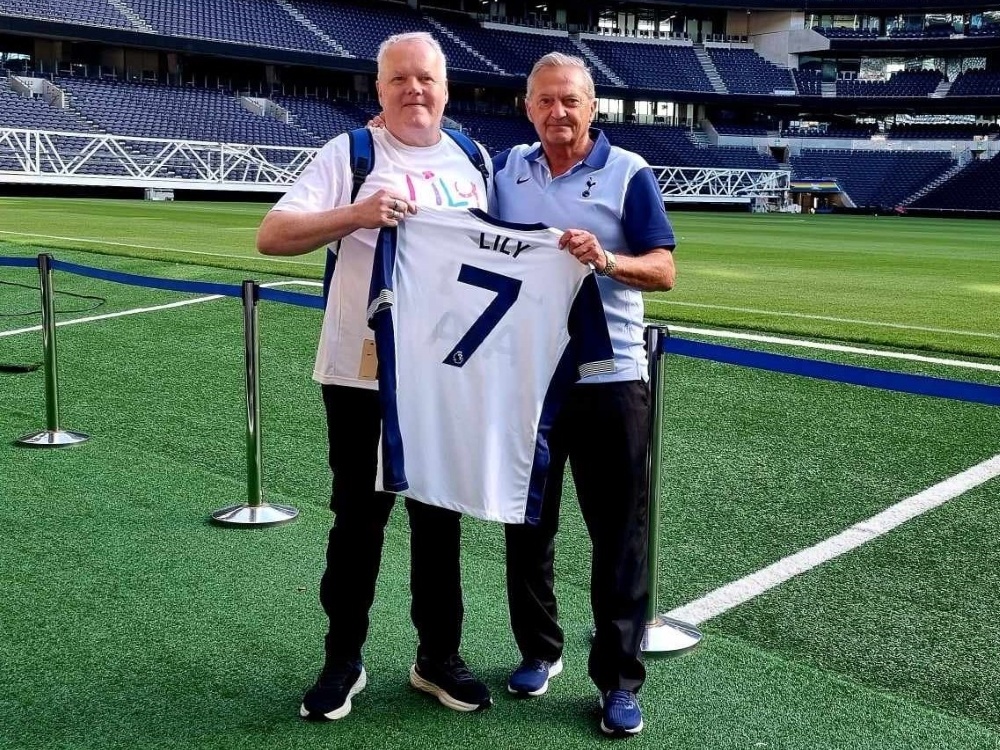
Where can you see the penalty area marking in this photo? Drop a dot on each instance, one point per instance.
(155, 308)
(749, 587)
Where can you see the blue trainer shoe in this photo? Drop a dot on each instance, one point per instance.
(620, 713)
(532, 677)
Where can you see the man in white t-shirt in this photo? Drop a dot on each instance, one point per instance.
(414, 163)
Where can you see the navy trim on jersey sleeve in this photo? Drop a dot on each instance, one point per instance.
(643, 217)
(589, 334)
(380, 296)
(483, 216)
(380, 291)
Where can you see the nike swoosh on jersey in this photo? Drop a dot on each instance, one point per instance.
(521, 180)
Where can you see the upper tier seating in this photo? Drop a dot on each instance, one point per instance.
(955, 132)
(901, 83)
(653, 66)
(976, 83)
(826, 130)
(89, 12)
(746, 72)
(361, 28)
(261, 23)
(809, 82)
(872, 178)
(975, 188)
(843, 32)
(515, 51)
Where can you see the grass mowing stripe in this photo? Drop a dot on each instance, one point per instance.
(738, 592)
(831, 319)
(269, 258)
(155, 308)
(836, 348)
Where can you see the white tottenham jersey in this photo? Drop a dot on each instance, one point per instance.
(480, 327)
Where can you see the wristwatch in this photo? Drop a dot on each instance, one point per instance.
(610, 264)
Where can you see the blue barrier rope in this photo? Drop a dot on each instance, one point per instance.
(921, 385)
(292, 298)
(172, 285)
(19, 262)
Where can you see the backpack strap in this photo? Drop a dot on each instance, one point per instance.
(362, 151)
(472, 150)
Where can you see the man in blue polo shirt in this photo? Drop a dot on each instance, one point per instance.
(609, 200)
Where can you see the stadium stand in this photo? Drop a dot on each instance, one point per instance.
(361, 28)
(32, 113)
(975, 188)
(872, 178)
(808, 82)
(976, 83)
(955, 132)
(158, 111)
(902, 83)
(746, 72)
(652, 66)
(497, 133)
(323, 118)
(87, 12)
(261, 23)
(515, 51)
(630, 64)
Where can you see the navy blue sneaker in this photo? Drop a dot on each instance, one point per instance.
(330, 698)
(451, 682)
(532, 676)
(620, 713)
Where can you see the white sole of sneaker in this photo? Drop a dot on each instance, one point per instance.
(617, 732)
(446, 700)
(555, 670)
(620, 732)
(338, 713)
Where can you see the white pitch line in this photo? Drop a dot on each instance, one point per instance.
(155, 308)
(268, 258)
(807, 316)
(739, 592)
(836, 348)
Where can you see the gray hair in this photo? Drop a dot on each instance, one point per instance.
(562, 60)
(410, 36)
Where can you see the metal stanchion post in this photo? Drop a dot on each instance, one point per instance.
(664, 635)
(255, 512)
(52, 436)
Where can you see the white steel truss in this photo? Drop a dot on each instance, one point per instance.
(65, 158)
(717, 185)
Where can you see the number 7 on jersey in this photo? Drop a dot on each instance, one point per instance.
(506, 289)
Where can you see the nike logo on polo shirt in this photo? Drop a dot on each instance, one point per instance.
(521, 180)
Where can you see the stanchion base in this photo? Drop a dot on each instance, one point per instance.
(51, 439)
(669, 637)
(254, 516)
